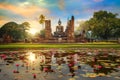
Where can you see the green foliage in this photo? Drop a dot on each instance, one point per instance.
(24, 27)
(42, 33)
(10, 28)
(14, 30)
(42, 19)
(104, 25)
(83, 27)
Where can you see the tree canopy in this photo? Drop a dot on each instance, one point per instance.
(104, 25)
(14, 30)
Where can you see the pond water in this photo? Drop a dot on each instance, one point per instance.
(60, 64)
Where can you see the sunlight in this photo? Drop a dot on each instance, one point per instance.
(31, 56)
(32, 31)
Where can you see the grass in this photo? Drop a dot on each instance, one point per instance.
(62, 45)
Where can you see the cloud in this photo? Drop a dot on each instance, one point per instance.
(61, 4)
(2, 22)
(2, 17)
(28, 10)
(76, 12)
(98, 0)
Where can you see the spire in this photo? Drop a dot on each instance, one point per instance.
(59, 22)
(72, 17)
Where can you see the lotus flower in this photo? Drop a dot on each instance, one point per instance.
(17, 65)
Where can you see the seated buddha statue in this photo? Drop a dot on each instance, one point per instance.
(59, 30)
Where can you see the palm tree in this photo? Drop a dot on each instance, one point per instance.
(42, 19)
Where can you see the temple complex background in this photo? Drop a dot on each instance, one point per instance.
(60, 35)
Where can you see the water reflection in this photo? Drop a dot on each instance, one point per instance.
(72, 64)
(105, 63)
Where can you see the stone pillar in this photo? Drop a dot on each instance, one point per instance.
(72, 27)
(71, 30)
(48, 34)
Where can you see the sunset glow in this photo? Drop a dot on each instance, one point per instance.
(32, 31)
(30, 10)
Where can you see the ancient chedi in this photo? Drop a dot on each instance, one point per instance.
(60, 35)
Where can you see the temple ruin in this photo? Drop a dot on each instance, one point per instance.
(59, 35)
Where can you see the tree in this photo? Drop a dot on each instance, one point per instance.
(9, 30)
(24, 27)
(13, 31)
(104, 24)
(116, 29)
(42, 19)
(42, 33)
(83, 26)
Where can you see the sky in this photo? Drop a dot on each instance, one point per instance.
(21, 11)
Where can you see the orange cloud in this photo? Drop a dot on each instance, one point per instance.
(2, 22)
(2, 17)
(24, 10)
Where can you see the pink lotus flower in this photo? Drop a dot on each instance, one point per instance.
(69, 64)
(45, 69)
(14, 71)
(119, 66)
(99, 67)
(34, 76)
(17, 65)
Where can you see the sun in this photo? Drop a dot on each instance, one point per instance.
(32, 31)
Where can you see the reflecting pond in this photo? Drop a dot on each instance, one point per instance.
(61, 64)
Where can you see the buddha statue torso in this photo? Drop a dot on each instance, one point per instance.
(59, 30)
